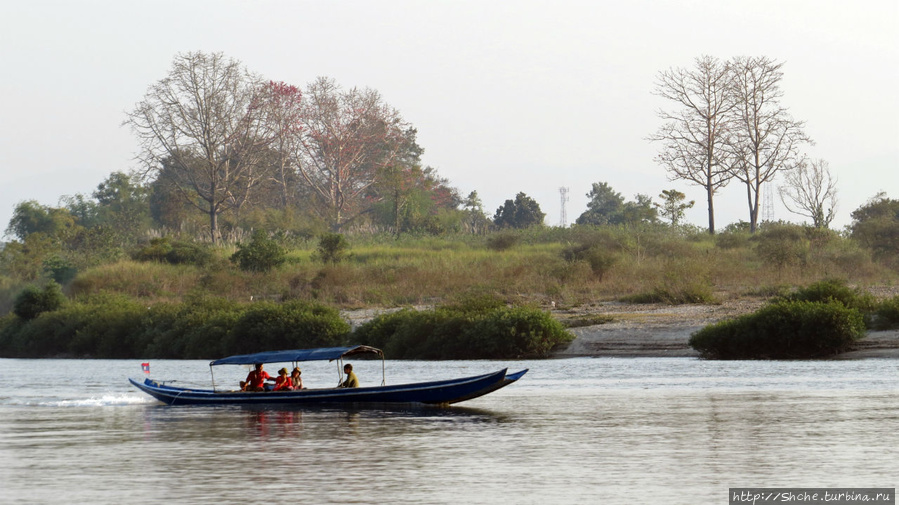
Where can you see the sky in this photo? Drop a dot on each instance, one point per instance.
(507, 96)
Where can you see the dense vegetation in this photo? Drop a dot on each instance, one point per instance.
(479, 327)
(819, 320)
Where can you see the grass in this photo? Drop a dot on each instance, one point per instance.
(646, 265)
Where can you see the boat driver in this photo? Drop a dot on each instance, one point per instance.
(256, 379)
(351, 380)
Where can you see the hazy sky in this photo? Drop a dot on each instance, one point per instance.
(507, 96)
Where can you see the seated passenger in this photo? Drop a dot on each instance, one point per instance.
(255, 379)
(283, 382)
(351, 380)
(296, 380)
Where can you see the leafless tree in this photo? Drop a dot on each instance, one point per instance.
(348, 137)
(811, 191)
(765, 138)
(204, 122)
(693, 135)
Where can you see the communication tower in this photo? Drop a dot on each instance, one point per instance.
(563, 220)
(767, 210)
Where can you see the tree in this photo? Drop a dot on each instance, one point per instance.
(348, 138)
(207, 120)
(475, 220)
(32, 217)
(285, 112)
(693, 136)
(672, 207)
(811, 191)
(123, 203)
(875, 225)
(765, 139)
(603, 206)
(523, 212)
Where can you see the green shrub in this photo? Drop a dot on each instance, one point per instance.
(502, 241)
(292, 325)
(33, 301)
(835, 290)
(59, 269)
(887, 314)
(164, 250)
(454, 333)
(261, 255)
(785, 330)
(332, 248)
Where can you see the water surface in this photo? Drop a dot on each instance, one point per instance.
(653, 430)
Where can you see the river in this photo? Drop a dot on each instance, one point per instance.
(572, 431)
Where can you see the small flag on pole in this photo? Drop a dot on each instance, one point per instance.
(145, 367)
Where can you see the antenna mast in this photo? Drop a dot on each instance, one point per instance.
(563, 220)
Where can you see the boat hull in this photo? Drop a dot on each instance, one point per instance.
(437, 392)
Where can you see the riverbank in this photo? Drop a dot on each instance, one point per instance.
(656, 330)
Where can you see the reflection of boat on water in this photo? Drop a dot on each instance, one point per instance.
(436, 392)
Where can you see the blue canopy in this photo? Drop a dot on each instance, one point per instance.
(321, 354)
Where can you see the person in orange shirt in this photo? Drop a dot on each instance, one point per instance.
(283, 382)
(256, 379)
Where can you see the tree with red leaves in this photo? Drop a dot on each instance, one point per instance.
(348, 139)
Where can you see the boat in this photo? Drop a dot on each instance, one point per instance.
(442, 392)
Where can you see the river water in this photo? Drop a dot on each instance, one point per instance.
(601, 430)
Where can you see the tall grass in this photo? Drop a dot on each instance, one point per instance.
(678, 266)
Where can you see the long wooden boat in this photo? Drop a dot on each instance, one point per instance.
(436, 392)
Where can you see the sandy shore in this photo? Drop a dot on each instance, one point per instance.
(656, 330)
(664, 331)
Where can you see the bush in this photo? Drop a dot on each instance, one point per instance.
(835, 290)
(261, 255)
(464, 333)
(503, 241)
(332, 248)
(785, 330)
(163, 250)
(887, 314)
(33, 301)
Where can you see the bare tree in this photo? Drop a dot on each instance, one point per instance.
(765, 138)
(348, 138)
(811, 191)
(205, 123)
(693, 136)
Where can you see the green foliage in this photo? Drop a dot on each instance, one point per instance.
(875, 226)
(291, 325)
(31, 217)
(523, 212)
(887, 314)
(786, 330)
(476, 329)
(502, 241)
(59, 269)
(333, 248)
(33, 301)
(117, 326)
(164, 250)
(835, 290)
(261, 255)
(607, 207)
(672, 206)
(782, 246)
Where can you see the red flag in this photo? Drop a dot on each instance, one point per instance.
(145, 367)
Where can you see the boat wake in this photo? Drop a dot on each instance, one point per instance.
(111, 400)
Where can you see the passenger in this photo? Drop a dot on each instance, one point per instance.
(351, 380)
(255, 379)
(295, 379)
(283, 382)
